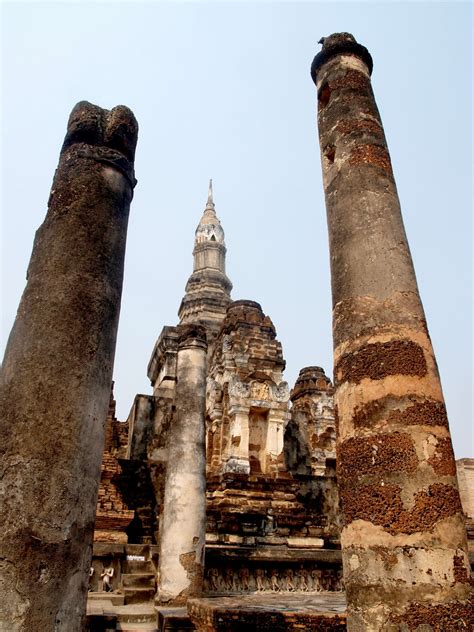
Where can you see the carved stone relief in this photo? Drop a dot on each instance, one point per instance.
(237, 388)
(226, 343)
(213, 395)
(289, 579)
(260, 391)
(280, 393)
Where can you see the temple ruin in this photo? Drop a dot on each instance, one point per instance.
(272, 517)
(217, 505)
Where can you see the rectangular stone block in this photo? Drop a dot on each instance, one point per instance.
(306, 543)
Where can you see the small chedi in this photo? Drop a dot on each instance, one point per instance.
(272, 509)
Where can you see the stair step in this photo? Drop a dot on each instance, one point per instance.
(174, 620)
(139, 595)
(138, 580)
(132, 567)
(104, 623)
(137, 627)
(117, 599)
(137, 614)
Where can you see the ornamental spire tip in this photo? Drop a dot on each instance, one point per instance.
(210, 196)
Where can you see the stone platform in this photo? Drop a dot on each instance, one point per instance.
(322, 612)
(276, 612)
(105, 616)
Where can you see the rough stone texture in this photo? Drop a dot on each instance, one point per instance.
(140, 421)
(273, 613)
(400, 412)
(437, 618)
(182, 531)
(465, 468)
(247, 399)
(113, 515)
(465, 471)
(396, 471)
(162, 365)
(57, 374)
(137, 489)
(312, 424)
(310, 448)
(261, 494)
(379, 360)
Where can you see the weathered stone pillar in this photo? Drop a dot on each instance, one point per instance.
(183, 526)
(403, 540)
(56, 376)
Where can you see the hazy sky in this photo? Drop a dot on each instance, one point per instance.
(223, 90)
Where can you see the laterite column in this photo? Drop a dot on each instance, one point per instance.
(183, 524)
(57, 373)
(403, 540)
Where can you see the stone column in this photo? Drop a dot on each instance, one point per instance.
(183, 526)
(403, 540)
(57, 373)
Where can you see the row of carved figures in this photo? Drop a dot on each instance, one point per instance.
(276, 580)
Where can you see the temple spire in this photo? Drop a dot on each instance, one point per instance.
(208, 288)
(210, 197)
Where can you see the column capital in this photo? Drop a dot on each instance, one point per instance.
(278, 415)
(340, 44)
(191, 335)
(235, 409)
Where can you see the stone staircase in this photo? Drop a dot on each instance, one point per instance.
(131, 607)
(174, 620)
(138, 582)
(137, 619)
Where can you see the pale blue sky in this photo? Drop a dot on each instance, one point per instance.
(223, 90)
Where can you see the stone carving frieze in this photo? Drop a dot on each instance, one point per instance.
(258, 391)
(245, 579)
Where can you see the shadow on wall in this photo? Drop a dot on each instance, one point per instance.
(137, 490)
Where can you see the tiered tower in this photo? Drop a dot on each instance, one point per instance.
(208, 288)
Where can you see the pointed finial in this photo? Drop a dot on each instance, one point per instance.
(210, 197)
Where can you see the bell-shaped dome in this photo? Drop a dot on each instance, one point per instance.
(209, 228)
